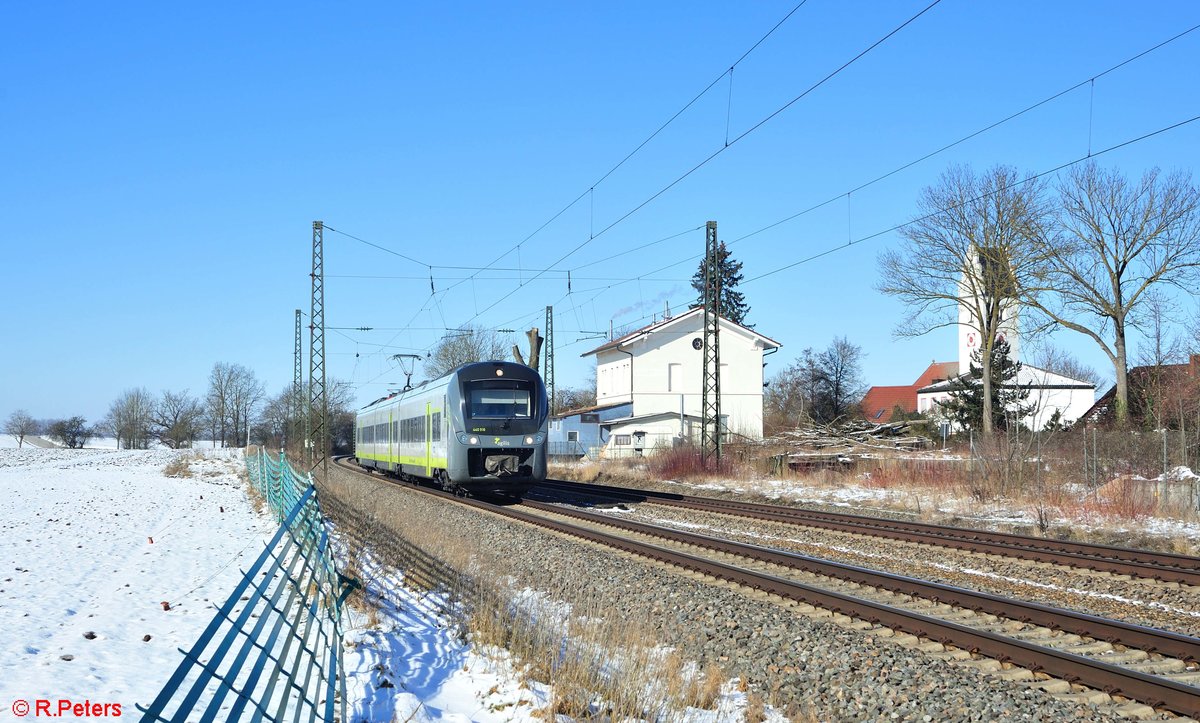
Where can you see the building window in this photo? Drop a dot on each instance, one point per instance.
(573, 436)
(589, 418)
(622, 440)
(674, 377)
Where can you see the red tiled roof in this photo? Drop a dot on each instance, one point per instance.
(1139, 379)
(937, 371)
(880, 402)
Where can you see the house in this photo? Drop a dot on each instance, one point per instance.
(1049, 394)
(1052, 394)
(652, 377)
(1157, 394)
(880, 403)
(577, 433)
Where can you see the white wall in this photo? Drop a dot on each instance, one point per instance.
(655, 390)
(1050, 392)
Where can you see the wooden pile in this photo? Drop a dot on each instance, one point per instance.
(851, 437)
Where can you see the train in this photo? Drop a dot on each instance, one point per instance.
(479, 430)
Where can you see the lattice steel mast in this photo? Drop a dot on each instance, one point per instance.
(297, 425)
(318, 442)
(710, 401)
(548, 365)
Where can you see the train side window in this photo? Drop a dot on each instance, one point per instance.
(436, 424)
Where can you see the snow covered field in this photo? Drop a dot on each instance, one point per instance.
(82, 591)
(81, 585)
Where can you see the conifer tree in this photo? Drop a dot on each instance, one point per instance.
(1009, 399)
(733, 302)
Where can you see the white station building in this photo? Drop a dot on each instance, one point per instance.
(657, 371)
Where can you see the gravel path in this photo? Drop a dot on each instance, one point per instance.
(809, 666)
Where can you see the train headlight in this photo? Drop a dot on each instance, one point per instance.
(467, 438)
(472, 440)
(529, 440)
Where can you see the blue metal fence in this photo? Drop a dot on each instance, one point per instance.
(273, 651)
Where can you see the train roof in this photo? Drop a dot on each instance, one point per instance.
(457, 370)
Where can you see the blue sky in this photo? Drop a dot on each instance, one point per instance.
(163, 166)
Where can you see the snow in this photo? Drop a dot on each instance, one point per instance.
(76, 559)
(860, 496)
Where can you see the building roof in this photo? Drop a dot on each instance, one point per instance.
(880, 402)
(1140, 378)
(646, 417)
(589, 410)
(937, 372)
(1028, 376)
(663, 324)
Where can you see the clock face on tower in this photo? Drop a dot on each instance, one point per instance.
(697, 343)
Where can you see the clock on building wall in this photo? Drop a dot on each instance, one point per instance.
(697, 343)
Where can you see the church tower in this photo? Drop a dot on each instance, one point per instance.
(971, 285)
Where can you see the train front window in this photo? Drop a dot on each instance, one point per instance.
(498, 403)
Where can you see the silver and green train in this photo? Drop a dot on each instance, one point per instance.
(481, 429)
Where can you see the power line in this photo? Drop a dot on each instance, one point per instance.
(1056, 169)
(724, 148)
(861, 186)
(591, 189)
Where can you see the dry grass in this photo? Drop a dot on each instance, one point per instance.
(598, 666)
(181, 466)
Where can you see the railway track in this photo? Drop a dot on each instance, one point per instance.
(1161, 566)
(1155, 667)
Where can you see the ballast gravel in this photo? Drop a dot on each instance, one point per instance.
(811, 667)
(1136, 600)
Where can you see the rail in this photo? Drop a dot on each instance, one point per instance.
(1168, 567)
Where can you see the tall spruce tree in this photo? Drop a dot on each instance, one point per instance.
(1009, 399)
(733, 302)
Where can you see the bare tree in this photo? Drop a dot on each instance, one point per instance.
(838, 380)
(1052, 359)
(1115, 242)
(217, 401)
(788, 398)
(176, 419)
(971, 247)
(463, 346)
(278, 422)
(245, 394)
(535, 349)
(72, 433)
(20, 425)
(129, 418)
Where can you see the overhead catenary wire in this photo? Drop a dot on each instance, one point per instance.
(590, 190)
(1089, 81)
(843, 245)
(730, 144)
(695, 168)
